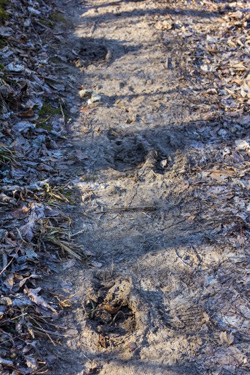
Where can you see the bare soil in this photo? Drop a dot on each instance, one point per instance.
(160, 293)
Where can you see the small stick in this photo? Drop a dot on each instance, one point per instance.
(76, 234)
(45, 333)
(63, 115)
(7, 265)
(183, 261)
(119, 312)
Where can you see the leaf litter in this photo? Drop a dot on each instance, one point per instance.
(35, 231)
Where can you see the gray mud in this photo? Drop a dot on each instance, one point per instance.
(147, 301)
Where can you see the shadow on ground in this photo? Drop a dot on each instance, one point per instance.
(142, 216)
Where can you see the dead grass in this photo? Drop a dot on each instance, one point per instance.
(6, 155)
(61, 238)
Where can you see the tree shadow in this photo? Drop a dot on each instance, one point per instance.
(166, 10)
(121, 220)
(87, 51)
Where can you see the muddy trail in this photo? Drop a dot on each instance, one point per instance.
(161, 292)
(162, 189)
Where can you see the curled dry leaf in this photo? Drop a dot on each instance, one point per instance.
(34, 297)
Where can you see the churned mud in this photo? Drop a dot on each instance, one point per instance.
(161, 290)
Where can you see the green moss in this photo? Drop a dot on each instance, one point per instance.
(1, 67)
(67, 194)
(3, 14)
(58, 17)
(54, 60)
(47, 22)
(45, 113)
(44, 125)
(48, 110)
(3, 42)
(53, 19)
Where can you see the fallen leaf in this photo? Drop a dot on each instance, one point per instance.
(34, 297)
(226, 338)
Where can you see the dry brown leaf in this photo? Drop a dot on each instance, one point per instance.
(33, 295)
(239, 66)
(221, 175)
(26, 114)
(21, 213)
(64, 303)
(226, 338)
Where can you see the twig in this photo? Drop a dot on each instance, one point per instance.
(183, 261)
(19, 316)
(18, 231)
(42, 329)
(116, 315)
(197, 255)
(43, 121)
(76, 234)
(63, 114)
(50, 324)
(45, 333)
(133, 208)
(67, 249)
(51, 332)
(40, 371)
(7, 265)
(172, 225)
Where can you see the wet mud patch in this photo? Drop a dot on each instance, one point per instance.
(109, 313)
(88, 51)
(92, 51)
(129, 151)
(136, 151)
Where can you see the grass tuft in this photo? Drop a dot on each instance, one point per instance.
(6, 155)
(3, 14)
(61, 238)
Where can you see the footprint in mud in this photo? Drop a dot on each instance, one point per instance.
(88, 51)
(133, 151)
(92, 51)
(110, 314)
(129, 154)
(129, 151)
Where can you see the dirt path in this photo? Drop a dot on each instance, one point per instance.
(149, 303)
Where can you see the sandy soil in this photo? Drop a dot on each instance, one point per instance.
(148, 301)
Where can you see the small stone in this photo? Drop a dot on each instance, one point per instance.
(95, 98)
(72, 332)
(233, 129)
(85, 93)
(6, 301)
(164, 163)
